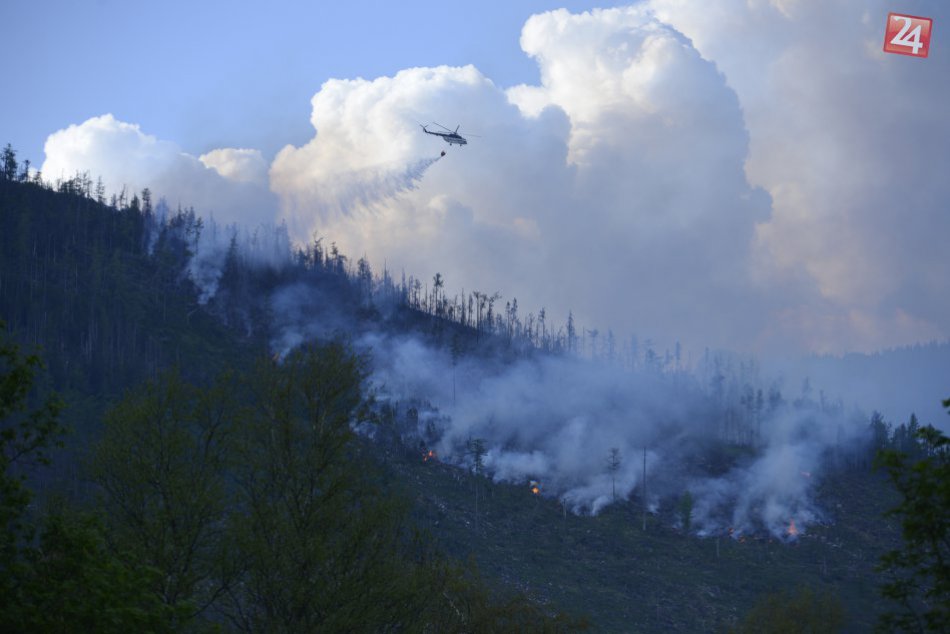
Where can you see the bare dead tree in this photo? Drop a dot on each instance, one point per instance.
(614, 460)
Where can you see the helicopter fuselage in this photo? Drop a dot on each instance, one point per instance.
(448, 137)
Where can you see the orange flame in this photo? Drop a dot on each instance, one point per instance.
(792, 530)
(535, 490)
(429, 456)
(535, 487)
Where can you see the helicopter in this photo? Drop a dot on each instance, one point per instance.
(449, 136)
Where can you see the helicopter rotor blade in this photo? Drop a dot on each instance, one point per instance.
(441, 126)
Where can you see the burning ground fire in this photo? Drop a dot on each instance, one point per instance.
(535, 487)
(429, 455)
(792, 533)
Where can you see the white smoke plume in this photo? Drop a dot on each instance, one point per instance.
(555, 420)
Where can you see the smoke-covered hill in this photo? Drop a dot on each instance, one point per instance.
(707, 449)
(895, 382)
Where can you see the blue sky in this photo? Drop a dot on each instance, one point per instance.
(241, 74)
(753, 174)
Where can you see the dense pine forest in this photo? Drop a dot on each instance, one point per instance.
(207, 428)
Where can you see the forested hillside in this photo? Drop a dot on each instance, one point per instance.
(134, 503)
(241, 412)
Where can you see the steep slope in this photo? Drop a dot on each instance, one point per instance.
(107, 293)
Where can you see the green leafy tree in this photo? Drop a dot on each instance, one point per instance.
(324, 547)
(56, 574)
(161, 467)
(27, 433)
(254, 503)
(73, 582)
(919, 572)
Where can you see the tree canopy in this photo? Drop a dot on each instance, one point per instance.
(918, 573)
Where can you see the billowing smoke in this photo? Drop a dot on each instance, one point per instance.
(555, 419)
(716, 429)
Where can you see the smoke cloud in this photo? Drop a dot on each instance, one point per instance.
(555, 419)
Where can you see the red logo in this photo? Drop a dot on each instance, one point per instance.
(907, 35)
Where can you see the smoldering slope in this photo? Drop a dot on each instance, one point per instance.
(554, 419)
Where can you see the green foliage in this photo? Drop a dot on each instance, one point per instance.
(160, 465)
(261, 509)
(801, 612)
(320, 541)
(72, 582)
(67, 581)
(918, 574)
(27, 432)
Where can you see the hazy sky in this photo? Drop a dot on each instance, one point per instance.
(755, 174)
